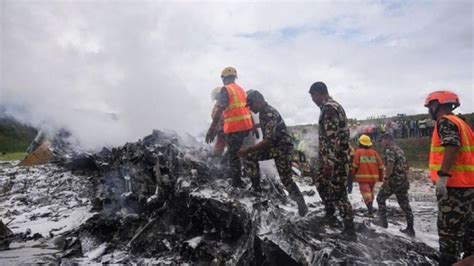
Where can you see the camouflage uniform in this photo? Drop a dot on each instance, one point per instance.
(274, 129)
(397, 183)
(334, 150)
(455, 210)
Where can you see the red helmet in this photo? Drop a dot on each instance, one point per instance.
(443, 97)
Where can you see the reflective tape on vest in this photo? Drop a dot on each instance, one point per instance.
(463, 169)
(237, 117)
(367, 159)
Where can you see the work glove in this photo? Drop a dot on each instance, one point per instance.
(441, 186)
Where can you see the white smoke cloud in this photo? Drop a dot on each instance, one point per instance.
(112, 71)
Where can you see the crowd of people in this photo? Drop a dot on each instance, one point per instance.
(399, 128)
(451, 161)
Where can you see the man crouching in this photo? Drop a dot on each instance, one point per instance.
(276, 144)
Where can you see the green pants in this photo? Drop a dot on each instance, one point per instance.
(456, 223)
(333, 192)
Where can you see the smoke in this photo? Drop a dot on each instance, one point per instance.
(111, 71)
(307, 137)
(359, 129)
(98, 75)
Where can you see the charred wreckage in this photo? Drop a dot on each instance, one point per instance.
(160, 201)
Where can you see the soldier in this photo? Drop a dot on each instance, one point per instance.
(396, 182)
(237, 121)
(334, 156)
(452, 170)
(276, 144)
(219, 146)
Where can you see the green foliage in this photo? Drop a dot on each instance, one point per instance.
(14, 136)
(13, 156)
(416, 150)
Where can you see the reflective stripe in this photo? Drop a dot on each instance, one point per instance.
(236, 118)
(236, 105)
(441, 149)
(463, 170)
(367, 159)
(367, 176)
(236, 102)
(437, 149)
(457, 168)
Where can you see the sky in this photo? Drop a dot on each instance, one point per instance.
(111, 71)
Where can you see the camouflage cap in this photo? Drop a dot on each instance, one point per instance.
(254, 96)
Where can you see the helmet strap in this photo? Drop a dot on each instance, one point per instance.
(434, 115)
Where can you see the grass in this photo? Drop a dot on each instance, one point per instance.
(14, 136)
(416, 151)
(12, 156)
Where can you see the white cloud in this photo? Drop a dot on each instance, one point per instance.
(155, 63)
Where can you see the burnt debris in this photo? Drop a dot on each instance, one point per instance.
(161, 201)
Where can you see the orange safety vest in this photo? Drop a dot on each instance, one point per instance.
(237, 116)
(367, 167)
(463, 169)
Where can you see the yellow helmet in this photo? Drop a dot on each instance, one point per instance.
(229, 71)
(365, 140)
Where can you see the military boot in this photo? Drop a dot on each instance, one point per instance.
(381, 221)
(297, 196)
(237, 182)
(255, 190)
(302, 208)
(349, 230)
(256, 185)
(446, 260)
(410, 230)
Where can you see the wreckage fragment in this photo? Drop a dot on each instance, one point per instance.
(159, 201)
(162, 201)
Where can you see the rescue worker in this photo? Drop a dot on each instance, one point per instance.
(232, 103)
(334, 157)
(300, 149)
(276, 144)
(396, 182)
(367, 169)
(451, 167)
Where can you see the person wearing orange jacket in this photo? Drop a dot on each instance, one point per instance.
(367, 169)
(232, 103)
(451, 166)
